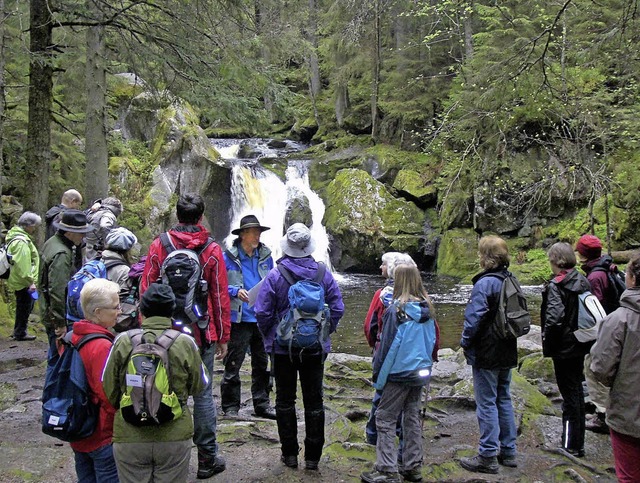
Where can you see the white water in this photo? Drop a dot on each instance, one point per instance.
(258, 191)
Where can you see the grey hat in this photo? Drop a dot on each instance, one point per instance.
(120, 240)
(297, 242)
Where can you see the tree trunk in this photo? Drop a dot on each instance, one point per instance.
(38, 151)
(97, 156)
(314, 68)
(375, 88)
(2, 89)
(468, 33)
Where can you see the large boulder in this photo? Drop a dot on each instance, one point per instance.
(458, 253)
(365, 220)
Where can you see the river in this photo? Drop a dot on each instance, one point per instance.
(449, 299)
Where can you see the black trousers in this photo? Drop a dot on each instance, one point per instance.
(245, 335)
(311, 371)
(24, 305)
(569, 376)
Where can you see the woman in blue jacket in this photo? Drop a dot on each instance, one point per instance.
(401, 368)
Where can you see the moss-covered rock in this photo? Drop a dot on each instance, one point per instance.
(458, 253)
(365, 220)
(410, 184)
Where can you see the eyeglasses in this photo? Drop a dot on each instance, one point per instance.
(117, 307)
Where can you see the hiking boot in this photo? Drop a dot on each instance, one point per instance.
(376, 476)
(411, 475)
(578, 453)
(290, 461)
(311, 465)
(481, 464)
(597, 424)
(207, 467)
(23, 338)
(231, 413)
(508, 460)
(267, 413)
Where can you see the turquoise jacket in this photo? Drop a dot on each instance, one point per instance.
(406, 345)
(237, 280)
(24, 257)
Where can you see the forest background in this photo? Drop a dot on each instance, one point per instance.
(504, 110)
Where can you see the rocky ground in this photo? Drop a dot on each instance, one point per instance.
(251, 448)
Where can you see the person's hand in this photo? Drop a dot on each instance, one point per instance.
(243, 295)
(60, 332)
(221, 351)
(32, 288)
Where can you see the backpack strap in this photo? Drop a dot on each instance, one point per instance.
(66, 340)
(201, 250)
(168, 245)
(114, 263)
(288, 276)
(136, 336)
(167, 338)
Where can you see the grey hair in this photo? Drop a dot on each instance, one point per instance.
(29, 218)
(96, 294)
(400, 259)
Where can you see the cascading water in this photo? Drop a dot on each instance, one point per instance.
(256, 190)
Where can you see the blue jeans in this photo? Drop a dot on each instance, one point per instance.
(98, 466)
(204, 412)
(494, 412)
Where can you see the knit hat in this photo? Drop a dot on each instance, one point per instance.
(589, 246)
(297, 242)
(120, 240)
(158, 300)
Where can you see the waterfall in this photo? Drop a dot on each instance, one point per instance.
(256, 190)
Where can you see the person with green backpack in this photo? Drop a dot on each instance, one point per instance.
(153, 426)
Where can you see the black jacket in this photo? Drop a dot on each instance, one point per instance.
(559, 316)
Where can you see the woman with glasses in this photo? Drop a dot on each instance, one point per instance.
(615, 359)
(101, 307)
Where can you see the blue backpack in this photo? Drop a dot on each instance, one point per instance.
(89, 271)
(306, 324)
(67, 411)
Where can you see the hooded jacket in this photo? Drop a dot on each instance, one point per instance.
(188, 377)
(94, 355)
(117, 269)
(194, 237)
(483, 348)
(615, 362)
(25, 259)
(596, 272)
(273, 300)
(56, 269)
(103, 220)
(373, 321)
(559, 315)
(406, 345)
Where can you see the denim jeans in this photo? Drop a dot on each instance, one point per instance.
(311, 370)
(204, 412)
(494, 412)
(245, 335)
(24, 305)
(97, 466)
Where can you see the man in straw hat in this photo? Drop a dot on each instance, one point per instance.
(248, 261)
(56, 269)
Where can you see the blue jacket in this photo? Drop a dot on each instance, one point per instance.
(245, 272)
(483, 348)
(273, 299)
(406, 345)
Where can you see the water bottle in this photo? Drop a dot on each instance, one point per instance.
(34, 295)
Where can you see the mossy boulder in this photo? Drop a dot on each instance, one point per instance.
(409, 183)
(365, 220)
(457, 255)
(535, 367)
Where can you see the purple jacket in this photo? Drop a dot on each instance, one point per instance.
(273, 301)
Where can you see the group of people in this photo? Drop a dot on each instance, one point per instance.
(247, 297)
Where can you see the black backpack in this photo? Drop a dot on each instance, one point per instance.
(617, 283)
(512, 318)
(182, 270)
(67, 411)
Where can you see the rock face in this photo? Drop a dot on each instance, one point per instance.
(365, 221)
(185, 162)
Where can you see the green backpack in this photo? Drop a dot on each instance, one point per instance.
(149, 399)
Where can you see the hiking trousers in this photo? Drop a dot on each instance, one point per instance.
(24, 305)
(399, 399)
(569, 378)
(160, 462)
(245, 335)
(311, 370)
